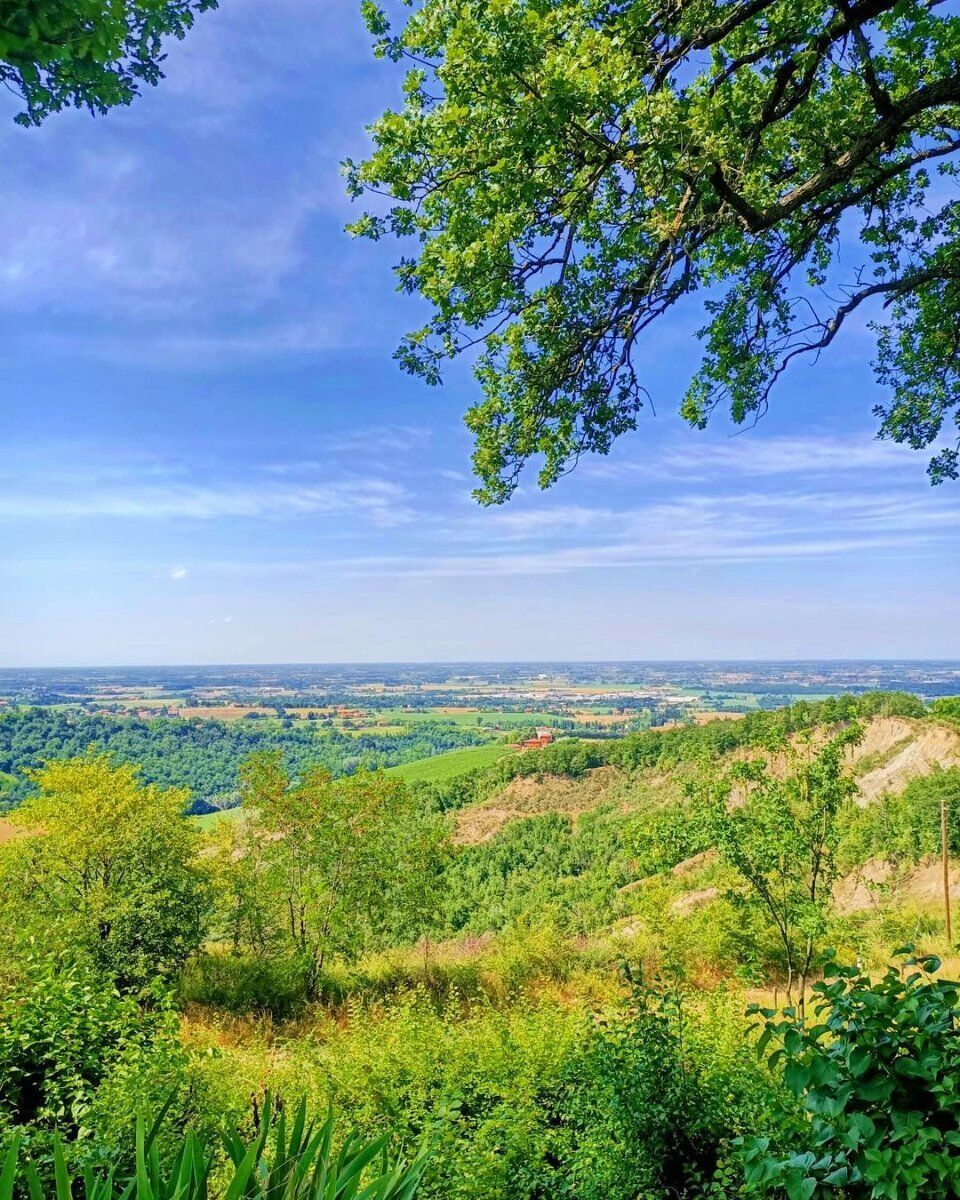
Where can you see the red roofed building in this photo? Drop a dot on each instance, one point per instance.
(544, 738)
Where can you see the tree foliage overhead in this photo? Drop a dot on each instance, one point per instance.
(57, 54)
(571, 170)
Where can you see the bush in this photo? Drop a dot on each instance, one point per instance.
(877, 1074)
(656, 1099)
(904, 828)
(77, 1057)
(535, 1101)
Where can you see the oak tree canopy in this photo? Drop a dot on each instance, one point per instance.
(569, 171)
(56, 54)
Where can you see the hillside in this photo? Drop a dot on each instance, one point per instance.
(898, 749)
(528, 796)
(618, 853)
(535, 933)
(894, 750)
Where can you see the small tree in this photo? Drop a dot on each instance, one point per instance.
(780, 836)
(877, 1075)
(342, 863)
(107, 864)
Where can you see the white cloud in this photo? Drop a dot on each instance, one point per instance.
(369, 441)
(241, 53)
(689, 530)
(82, 246)
(179, 573)
(375, 500)
(154, 346)
(621, 556)
(750, 453)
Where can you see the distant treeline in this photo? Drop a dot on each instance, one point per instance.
(204, 755)
(571, 872)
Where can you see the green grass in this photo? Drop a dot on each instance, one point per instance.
(206, 821)
(446, 766)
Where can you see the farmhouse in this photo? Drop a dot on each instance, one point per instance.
(544, 738)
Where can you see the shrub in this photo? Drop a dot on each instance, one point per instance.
(904, 828)
(538, 1100)
(656, 1099)
(77, 1056)
(877, 1075)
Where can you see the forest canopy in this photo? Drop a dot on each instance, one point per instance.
(568, 173)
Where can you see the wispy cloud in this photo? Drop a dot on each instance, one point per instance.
(157, 346)
(621, 556)
(378, 501)
(750, 453)
(688, 530)
(242, 53)
(89, 246)
(364, 442)
(740, 517)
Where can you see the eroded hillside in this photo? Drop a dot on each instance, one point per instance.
(894, 750)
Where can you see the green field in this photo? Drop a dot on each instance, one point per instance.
(207, 821)
(434, 769)
(445, 766)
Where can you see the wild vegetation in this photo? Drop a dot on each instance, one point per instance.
(606, 970)
(529, 980)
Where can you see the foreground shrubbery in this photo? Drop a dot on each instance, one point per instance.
(657, 1094)
(876, 1071)
(294, 1159)
(640, 1097)
(77, 1057)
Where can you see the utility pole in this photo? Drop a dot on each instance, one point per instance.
(945, 854)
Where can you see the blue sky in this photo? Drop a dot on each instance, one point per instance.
(210, 456)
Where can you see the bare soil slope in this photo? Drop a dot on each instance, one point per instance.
(894, 750)
(877, 881)
(898, 749)
(528, 797)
